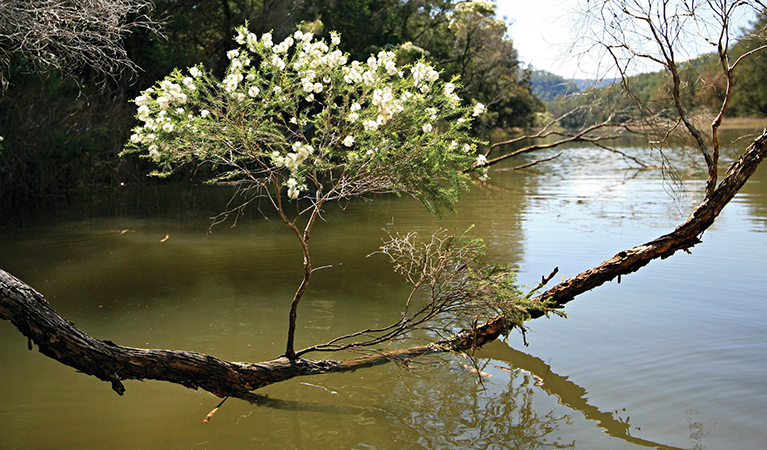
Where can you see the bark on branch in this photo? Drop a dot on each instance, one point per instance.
(59, 339)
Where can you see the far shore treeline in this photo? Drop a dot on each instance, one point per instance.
(64, 134)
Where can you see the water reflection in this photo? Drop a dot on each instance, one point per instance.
(573, 396)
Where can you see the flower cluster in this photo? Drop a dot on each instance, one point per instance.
(299, 106)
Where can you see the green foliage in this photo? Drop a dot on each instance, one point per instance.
(548, 86)
(450, 273)
(750, 93)
(299, 115)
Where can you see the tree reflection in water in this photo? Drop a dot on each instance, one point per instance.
(445, 404)
(426, 413)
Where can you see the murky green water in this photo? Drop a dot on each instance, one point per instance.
(673, 357)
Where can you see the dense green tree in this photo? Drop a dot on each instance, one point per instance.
(750, 94)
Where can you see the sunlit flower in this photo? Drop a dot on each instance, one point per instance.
(479, 108)
(251, 39)
(143, 113)
(277, 62)
(427, 128)
(370, 125)
(349, 141)
(481, 160)
(266, 39)
(153, 153)
(253, 91)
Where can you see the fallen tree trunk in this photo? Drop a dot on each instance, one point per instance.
(59, 339)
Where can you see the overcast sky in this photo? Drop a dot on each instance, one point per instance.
(541, 31)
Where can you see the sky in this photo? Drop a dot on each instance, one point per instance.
(542, 31)
(541, 34)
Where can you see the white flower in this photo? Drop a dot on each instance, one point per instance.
(253, 91)
(283, 46)
(167, 127)
(240, 38)
(266, 39)
(432, 113)
(278, 62)
(294, 189)
(301, 36)
(353, 117)
(355, 107)
(484, 176)
(461, 121)
(349, 141)
(427, 128)
(135, 138)
(466, 148)
(353, 73)
(251, 40)
(231, 54)
(448, 89)
(369, 77)
(204, 113)
(143, 113)
(195, 72)
(422, 74)
(189, 83)
(277, 90)
(479, 108)
(231, 81)
(335, 39)
(481, 160)
(370, 125)
(141, 100)
(153, 153)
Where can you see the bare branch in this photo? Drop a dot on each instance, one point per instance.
(68, 35)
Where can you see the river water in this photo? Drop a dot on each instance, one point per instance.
(672, 357)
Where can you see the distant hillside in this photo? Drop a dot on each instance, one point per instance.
(584, 84)
(548, 86)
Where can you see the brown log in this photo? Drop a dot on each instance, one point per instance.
(59, 339)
